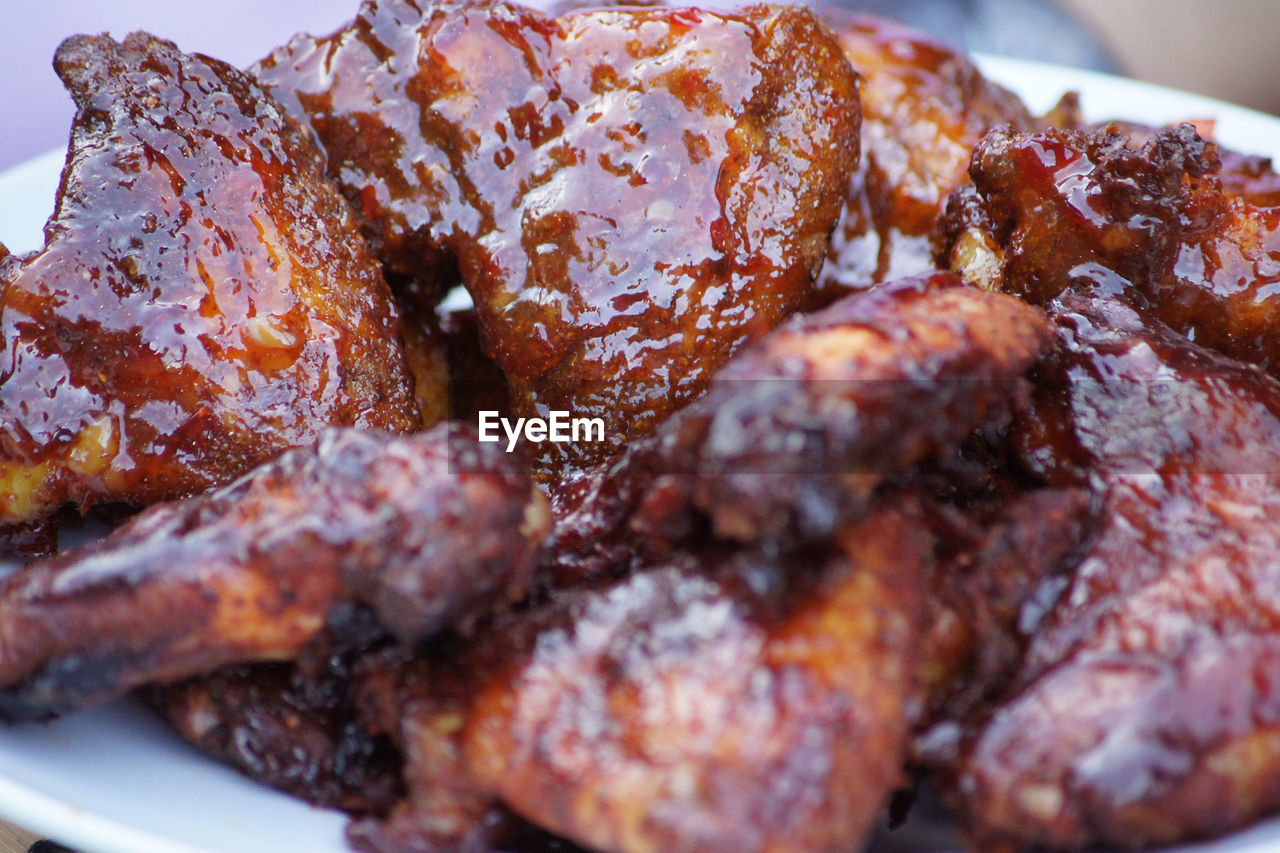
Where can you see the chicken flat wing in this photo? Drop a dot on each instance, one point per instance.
(924, 107)
(203, 300)
(426, 530)
(736, 703)
(628, 193)
(1063, 208)
(1143, 712)
(801, 426)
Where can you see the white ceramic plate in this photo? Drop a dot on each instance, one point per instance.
(113, 780)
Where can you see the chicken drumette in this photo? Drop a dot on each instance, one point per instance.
(628, 193)
(204, 299)
(425, 530)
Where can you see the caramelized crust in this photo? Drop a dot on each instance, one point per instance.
(426, 530)
(1001, 563)
(203, 301)
(294, 727)
(924, 107)
(1245, 176)
(1062, 208)
(629, 193)
(735, 703)
(1142, 713)
(1250, 178)
(798, 430)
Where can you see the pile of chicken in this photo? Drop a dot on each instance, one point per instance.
(939, 435)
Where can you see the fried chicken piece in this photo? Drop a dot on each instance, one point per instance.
(629, 193)
(797, 431)
(426, 530)
(1143, 712)
(1000, 564)
(732, 702)
(294, 726)
(1249, 177)
(203, 300)
(924, 107)
(1062, 208)
(1245, 176)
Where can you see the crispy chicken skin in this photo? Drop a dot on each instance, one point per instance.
(1061, 208)
(1144, 710)
(294, 726)
(924, 106)
(998, 561)
(425, 530)
(1245, 176)
(1250, 178)
(732, 702)
(801, 426)
(629, 193)
(203, 301)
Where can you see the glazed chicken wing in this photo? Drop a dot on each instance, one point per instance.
(735, 703)
(1249, 177)
(1143, 712)
(924, 106)
(1063, 208)
(1000, 561)
(798, 430)
(628, 193)
(425, 530)
(294, 726)
(203, 301)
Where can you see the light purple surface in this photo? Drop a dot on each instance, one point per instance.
(35, 112)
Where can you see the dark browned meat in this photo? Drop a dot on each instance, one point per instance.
(629, 193)
(924, 106)
(1144, 711)
(1000, 564)
(736, 703)
(425, 530)
(1062, 208)
(1246, 176)
(427, 356)
(1249, 177)
(293, 726)
(476, 383)
(203, 301)
(799, 429)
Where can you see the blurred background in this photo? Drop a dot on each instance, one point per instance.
(35, 111)
(1223, 49)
